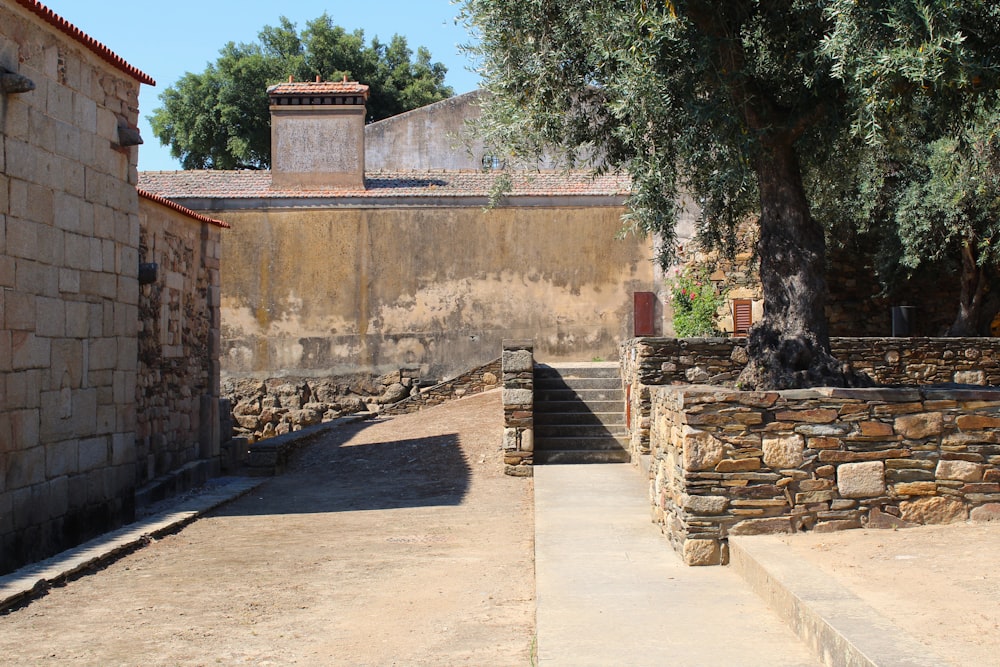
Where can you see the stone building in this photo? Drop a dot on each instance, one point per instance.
(73, 232)
(373, 248)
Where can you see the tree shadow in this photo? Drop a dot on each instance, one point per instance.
(334, 475)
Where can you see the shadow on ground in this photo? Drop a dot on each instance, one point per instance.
(343, 472)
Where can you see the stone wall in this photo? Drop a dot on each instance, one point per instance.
(69, 295)
(177, 393)
(649, 362)
(480, 379)
(726, 462)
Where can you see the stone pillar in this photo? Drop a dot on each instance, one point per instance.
(518, 364)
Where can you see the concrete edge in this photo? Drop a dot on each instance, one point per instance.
(33, 580)
(840, 628)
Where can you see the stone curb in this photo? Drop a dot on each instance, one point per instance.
(268, 457)
(33, 580)
(840, 628)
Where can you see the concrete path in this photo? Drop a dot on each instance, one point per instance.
(611, 591)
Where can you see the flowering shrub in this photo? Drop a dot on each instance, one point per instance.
(696, 304)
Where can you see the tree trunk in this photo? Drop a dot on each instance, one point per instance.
(790, 346)
(975, 310)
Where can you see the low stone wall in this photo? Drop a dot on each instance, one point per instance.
(649, 362)
(726, 462)
(476, 381)
(518, 362)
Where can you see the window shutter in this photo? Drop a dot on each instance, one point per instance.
(742, 316)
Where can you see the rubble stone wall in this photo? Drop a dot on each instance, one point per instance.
(476, 381)
(650, 362)
(177, 390)
(726, 462)
(518, 363)
(69, 295)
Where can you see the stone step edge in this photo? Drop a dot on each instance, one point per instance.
(839, 627)
(31, 581)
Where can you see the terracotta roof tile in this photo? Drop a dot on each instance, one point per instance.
(101, 50)
(318, 88)
(257, 184)
(181, 209)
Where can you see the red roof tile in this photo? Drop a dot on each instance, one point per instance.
(247, 184)
(318, 88)
(101, 50)
(181, 209)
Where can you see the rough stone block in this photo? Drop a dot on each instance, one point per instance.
(782, 452)
(861, 480)
(933, 510)
(738, 465)
(768, 526)
(705, 504)
(987, 512)
(836, 525)
(963, 471)
(915, 489)
(518, 396)
(919, 426)
(702, 451)
(702, 552)
(510, 439)
(93, 454)
(517, 361)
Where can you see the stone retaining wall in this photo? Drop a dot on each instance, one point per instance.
(476, 381)
(726, 462)
(648, 362)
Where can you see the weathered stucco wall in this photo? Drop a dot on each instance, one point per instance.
(327, 292)
(178, 376)
(432, 137)
(69, 238)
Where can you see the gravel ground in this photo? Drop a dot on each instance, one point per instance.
(393, 542)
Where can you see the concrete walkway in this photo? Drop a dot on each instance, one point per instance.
(611, 591)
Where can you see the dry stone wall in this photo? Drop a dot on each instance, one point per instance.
(69, 251)
(650, 362)
(726, 462)
(518, 407)
(476, 381)
(177, 392)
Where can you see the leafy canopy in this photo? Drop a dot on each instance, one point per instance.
(219, 118)
(683, 95)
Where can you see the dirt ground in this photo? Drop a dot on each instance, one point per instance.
(940, 584)
(394, 542)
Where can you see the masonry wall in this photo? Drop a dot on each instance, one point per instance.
(69, 248)
(649, 362)
(726, 462)
(330, 292)
(177, 391)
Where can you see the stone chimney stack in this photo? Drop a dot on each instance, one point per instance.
(318, 135)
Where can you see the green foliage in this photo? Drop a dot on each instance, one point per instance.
(696, 305)
(683, 95)
(219, 118)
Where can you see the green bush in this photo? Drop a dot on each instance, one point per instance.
(696, 304)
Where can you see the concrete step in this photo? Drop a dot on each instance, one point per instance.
(549, 384)
(578, 406)
(594, 370)
(580, 418)
(577, 430)
(827, 617)
(557, 442)
(585, 395)
(582, 456)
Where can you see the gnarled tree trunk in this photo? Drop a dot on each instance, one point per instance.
(977, 301)
(790, 346)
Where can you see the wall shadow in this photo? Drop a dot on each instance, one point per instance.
(333, 475)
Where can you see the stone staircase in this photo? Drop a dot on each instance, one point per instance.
(579, 414)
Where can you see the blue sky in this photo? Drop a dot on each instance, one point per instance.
(165, 39)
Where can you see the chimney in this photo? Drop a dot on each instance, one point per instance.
(318, 135)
